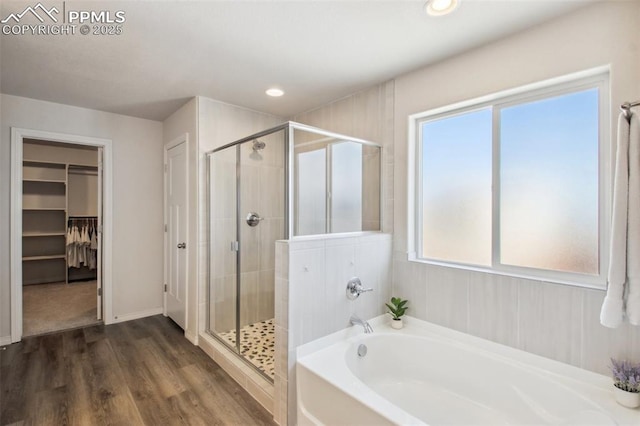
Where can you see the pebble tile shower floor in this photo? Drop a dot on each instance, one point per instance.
(257, 343)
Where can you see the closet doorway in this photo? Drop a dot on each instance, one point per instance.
(57, 233)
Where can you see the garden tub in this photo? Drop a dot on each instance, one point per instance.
(427, 374)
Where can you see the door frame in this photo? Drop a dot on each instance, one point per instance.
(183, 138)
(17, 137)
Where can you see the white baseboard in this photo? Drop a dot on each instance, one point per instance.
(5, 340)
(137, 315)
(192, 337)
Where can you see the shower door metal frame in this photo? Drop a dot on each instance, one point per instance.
(237, 247)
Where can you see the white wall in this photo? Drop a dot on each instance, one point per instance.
(137, 195)
(555, 321)
(185, 120)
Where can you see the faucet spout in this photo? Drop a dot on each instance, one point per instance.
(358, 321)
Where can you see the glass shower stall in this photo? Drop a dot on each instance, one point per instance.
(287, 181)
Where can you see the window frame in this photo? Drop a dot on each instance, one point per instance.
(597, 78)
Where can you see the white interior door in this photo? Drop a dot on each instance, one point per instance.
(99, 237)
(176, 188)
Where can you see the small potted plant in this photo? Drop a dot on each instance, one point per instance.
(626, 379)
(397, 308)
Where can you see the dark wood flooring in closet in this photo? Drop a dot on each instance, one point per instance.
(141, 372)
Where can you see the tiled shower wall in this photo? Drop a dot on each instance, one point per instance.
(311, 301)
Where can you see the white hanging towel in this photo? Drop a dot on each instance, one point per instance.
(633, 236)
(623, 291)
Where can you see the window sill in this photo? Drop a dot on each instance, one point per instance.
(411, 257)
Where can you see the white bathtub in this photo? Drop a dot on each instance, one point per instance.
(426, 374)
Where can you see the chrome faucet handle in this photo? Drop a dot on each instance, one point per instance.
(355, 289)
(253, 219)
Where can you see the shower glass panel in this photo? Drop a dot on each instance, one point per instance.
(223, 222)
(247, 211)
(346, 182)
(311, 190)
(336, 184)
(262, 213)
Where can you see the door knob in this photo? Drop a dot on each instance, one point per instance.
(182, 245)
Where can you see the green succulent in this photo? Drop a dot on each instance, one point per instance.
(397, 308)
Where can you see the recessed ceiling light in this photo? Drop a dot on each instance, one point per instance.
(440, 7)
(274, 92)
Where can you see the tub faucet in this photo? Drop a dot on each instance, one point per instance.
(358, 321)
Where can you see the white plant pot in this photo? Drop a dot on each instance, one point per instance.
(396, 323)
(626, 399)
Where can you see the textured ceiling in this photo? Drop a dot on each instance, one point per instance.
(317, 51)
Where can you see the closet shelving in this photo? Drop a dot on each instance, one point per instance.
(45, 212)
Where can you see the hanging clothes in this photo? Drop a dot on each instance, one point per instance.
(82, 243)
(72, 259)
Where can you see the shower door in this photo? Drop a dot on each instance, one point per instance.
(223, 247)
(247, 211)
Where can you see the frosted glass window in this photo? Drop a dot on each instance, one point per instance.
(549, 183)
(516, 184)
(346, 187)
(311, 189)
(456, 188)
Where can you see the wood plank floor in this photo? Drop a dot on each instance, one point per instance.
(141, 372)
